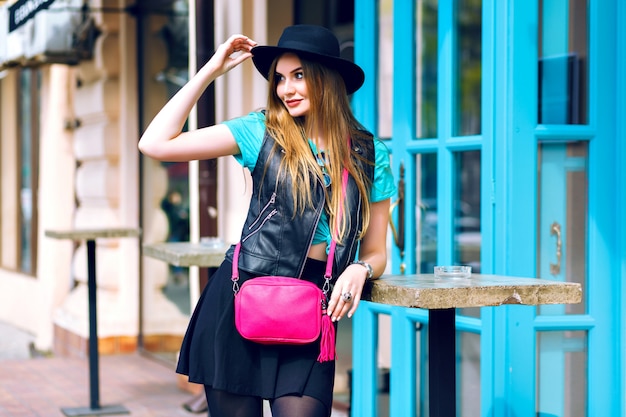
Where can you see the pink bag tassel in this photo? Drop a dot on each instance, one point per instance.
(327, 348)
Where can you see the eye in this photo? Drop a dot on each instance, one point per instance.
(299, 75)
(279, 77)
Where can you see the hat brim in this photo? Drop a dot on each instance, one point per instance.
(353, 76)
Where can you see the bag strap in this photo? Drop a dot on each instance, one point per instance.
(331, 253)
(333, 242)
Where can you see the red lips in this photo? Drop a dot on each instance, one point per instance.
(292, 103)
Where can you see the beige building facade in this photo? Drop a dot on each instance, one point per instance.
(72, 163)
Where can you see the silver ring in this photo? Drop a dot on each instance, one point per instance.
(346, 296)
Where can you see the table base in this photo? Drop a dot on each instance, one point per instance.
(442, 362)
(100, 411)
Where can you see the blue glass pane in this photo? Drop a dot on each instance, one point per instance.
(562, 359)
(426, 68)
(467, 237)
(467, 107)
(563, 62)
(426, 199)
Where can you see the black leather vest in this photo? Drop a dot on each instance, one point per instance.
(274, 239)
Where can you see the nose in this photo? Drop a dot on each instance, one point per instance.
(288, 87)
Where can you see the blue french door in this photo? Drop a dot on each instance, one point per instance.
(424, 94)
(493, 111)
(562, 84)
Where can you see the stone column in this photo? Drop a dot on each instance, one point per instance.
(107, 195)
(163, 323)
(56, 197)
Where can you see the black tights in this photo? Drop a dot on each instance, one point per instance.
(225, 404)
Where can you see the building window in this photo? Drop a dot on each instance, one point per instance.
(28, 139)
(28, 164)
(20, 164)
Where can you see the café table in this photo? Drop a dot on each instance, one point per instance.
(441, 297)
(90, 236)
(187, 253)
(190, 254)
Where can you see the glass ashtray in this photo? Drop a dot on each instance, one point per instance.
(453, 271)
(212, 242)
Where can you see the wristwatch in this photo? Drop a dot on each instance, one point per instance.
(370, 270)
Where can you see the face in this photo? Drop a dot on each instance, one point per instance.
(290, 85)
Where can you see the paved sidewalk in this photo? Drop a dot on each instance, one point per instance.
(43, 386)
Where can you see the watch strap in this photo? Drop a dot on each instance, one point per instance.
(370, 270)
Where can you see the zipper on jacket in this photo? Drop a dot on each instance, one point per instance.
(265, 220)
(269, 203)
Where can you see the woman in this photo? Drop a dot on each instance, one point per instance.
(296, 150)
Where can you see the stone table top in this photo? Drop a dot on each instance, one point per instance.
(90, 234)
(187, 253)
(428, 292)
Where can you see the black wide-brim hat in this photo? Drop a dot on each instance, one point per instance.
(315, 43)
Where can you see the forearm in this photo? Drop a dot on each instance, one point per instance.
(373, 248)
(158, 139)
(170, 120)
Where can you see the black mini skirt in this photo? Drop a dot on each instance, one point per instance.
(213, 352)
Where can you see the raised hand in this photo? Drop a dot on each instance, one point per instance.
(231, 53)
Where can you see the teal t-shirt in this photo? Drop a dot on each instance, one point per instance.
(249, 131)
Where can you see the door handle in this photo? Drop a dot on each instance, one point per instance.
(555, 229)
(398, 234)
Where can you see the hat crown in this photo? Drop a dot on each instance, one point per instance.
(315, 43)
(310, 38)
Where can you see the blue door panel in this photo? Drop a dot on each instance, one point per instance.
(525, 352)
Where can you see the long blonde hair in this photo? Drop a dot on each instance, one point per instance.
(330, 116)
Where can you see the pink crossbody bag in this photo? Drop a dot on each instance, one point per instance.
(286, 310)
